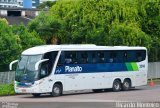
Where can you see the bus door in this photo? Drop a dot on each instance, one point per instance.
(45, 71)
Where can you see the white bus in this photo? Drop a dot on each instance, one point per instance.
(57, 68)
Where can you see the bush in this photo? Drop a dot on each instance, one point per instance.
(7, 89)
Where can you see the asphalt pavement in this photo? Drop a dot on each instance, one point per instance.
(87, 99)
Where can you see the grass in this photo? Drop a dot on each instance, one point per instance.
(6, 89)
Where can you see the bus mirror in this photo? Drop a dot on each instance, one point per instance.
(10, 65)
(39, 62)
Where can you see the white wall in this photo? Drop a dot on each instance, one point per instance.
(41, 1)
(37, 13)
(23, 13)
(3, 12)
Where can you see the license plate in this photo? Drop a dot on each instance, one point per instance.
(23, 90)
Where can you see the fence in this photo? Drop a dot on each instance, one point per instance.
(7, 77)
(153, 72)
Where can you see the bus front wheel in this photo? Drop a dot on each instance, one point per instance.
(116, 86)
(56, 90)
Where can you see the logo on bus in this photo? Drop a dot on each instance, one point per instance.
(73, 69)
(142, 66)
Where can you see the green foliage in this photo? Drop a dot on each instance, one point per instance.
(45, 26)
(149, 12)
(7, 89)
(25, 38)
(13, 40)
(128, 35)
(9, 47)
(150, 17)
(90, 21)
(103, 22)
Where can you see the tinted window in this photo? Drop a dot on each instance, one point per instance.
(119, 56)
(140, 55)
(84, 57)
(46, 67)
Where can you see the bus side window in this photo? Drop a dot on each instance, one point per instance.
(120, 56)
(107, 56)
(131, 56)
(89, 56)
(139, 58)
(94, 60)
(84, 57)
(101, 58)
(113, 57)
(68, 57)
(47, 66)
(140, 55)
(71, 57)
(74, 57)
(44, 71)
(93, 57)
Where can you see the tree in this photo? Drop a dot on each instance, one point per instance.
(13, 40)
(10, 48)
(102, 22)
(150, 17)
(46, 27)
(149, 12)
(25, 38)
(128, 35)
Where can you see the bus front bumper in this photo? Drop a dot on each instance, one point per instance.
(26, 90)
(30, 89)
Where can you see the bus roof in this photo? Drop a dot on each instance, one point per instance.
(71, 47)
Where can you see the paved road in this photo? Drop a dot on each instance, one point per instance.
(85, 98)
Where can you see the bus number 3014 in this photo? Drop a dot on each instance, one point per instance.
(142, 66)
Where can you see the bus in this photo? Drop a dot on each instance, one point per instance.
(54, 69)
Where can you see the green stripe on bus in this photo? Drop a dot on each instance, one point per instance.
(129, 67)
(134, 66)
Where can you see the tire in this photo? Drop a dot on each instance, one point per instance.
(97, 90)
(117, 86)
(126, 85)
(36, 94)
(56, 90)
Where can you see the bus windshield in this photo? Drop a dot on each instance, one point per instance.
(25, 71)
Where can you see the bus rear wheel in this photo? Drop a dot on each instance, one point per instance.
(126, 85)
(56, 90)
(116, 86)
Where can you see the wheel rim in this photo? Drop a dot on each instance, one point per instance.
(117, 86)
(126, 84)
(56, 90)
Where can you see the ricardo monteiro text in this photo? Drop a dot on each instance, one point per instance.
(137, 105)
